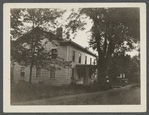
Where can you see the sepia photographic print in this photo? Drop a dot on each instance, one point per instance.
(74, 57)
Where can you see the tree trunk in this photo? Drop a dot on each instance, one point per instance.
(101, 73)
(100, 63)
(12, 71)
(104, 57)
(30, 78)
(32, 60)
(12, 74)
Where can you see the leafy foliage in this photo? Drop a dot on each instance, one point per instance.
(16, 22)
(22, 52)
(24, 20)
(29, 48)
(114, 31)
(125, 64)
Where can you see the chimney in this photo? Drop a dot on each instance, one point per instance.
(59, 32)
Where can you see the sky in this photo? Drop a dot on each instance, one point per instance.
(82, 37)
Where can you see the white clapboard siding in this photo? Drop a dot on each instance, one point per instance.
(44, 73)
(62, 52)
(62, 76)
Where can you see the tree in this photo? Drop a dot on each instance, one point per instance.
(28, 48)
(119, 64)
(15, 22)
(114, 30)
(134, 69)
(125, 64)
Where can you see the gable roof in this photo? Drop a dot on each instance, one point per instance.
(62, 42)
(36, 30)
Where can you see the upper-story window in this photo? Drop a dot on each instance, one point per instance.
(73, 56)
(79, 58)
(90, 61)
(85, 59)
(54, 53)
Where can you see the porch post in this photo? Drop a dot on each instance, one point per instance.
(87, 74)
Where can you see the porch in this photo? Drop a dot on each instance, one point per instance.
(87, 74)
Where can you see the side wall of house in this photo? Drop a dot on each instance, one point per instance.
(17, 73)
(60, 75)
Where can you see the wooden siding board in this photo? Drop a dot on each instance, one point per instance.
(62, 52)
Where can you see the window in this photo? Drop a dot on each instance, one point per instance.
(54, 53)
(73, 56)
(79, 58)
(90, 61)
(22, 71)
(123, 75)
(52, 73)
(85, 59)
(38, 72)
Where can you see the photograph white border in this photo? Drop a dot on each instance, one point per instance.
(71, 108)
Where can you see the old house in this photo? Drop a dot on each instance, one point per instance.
(82, 60)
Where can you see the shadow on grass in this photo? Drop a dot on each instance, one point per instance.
(23, 91)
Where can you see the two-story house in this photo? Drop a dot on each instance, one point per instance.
(69, 51)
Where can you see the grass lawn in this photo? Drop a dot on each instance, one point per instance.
(21, 92)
